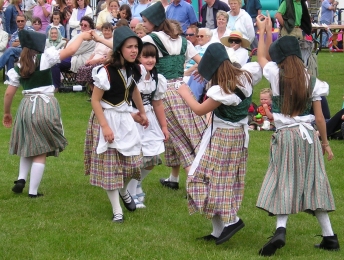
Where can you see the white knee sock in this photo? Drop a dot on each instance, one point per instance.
(132, 187)
(36, 175)
(281, 220)
(114, 199)
(232, 223)
(217, 225)
(144, 173)
(324, 222)
(123, 191)
(24, 167)
(173, 179)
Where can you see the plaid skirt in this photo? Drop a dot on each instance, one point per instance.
(185, 129)
(40, 132)
(296, 179)
(111, 169)
(148, 161)
(217, 186)
(84, 74)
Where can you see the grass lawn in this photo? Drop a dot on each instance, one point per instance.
(73, 219)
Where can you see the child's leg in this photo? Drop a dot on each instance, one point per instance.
(330, 240)
(139, 192)
(116, 206)
(36, 174)
(24, 168)
(278, 239)
(126, 197)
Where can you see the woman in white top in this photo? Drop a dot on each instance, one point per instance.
(221, 30)
(83, 9)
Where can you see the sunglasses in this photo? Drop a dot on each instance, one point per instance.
(84, 25)
(20, 21)
(234, 41)
(201, 36)
(189, 34)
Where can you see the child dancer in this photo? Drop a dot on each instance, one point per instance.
(55, 21)
(296, 179)
(152, 88)
(112, 145)
(215, 182)
(37, 131)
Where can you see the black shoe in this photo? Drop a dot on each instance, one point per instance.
(131, 206)
(19, 186)
(169, 184)
(329, 243)
(118, 218)
(207, 238)
(229, 231)
(277, 241)
(35, 196)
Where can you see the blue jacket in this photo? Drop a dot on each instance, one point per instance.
(218, 5)
(10, 19)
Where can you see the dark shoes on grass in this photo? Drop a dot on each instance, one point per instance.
(207, 238)
(229, 231)
(329, 243)
(128, 201)
(169, 184)
(277, 241)
(19, 186)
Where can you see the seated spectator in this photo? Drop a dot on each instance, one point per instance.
(37, 24)
(133, 23)
(82, 9)
(42, 10)
(140, 30)
(13, 52)
(102, 15)
(130, 3)
(80, 57)
(99, 55)
(239, 44)
(221, 30)
(56, 22)
(138, 8)
(263, 112)
(120, 23)
(125, 12)
(113, 16)
(100, 6)
(59, 6)
(55, 39)
(335, 124)
(191, 34)
(3, 39)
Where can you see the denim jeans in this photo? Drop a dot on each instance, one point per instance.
(325, 35)
(9, 56)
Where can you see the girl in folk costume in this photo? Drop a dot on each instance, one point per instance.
(291, 184)
(184, 126)
(112, 145)
(152, 88)
(215, 182)
(37, 131)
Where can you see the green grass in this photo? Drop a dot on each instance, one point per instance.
(73, 219)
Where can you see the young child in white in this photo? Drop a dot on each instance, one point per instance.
(152, 88)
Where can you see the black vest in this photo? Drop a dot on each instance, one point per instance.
(119, 92)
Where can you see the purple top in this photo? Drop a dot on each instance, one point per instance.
(38, 12)
(81, 13)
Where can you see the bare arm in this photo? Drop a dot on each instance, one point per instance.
(160, 115)
(97, 38)
(197, 58)
(321, 125)
(199, 109)
(189, 71)
(8, 98)
(261, 52)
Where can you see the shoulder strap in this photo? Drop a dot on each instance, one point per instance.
(159, 44)
(239, 93)
(184, 46)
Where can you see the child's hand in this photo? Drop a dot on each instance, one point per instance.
(327, 148)
(261, 22)
(108, 134)
(86, 36)
(114, 13)
(7, 120)
(145, 122)
(95, 36)
(165, 132)
(137, 118)
(183, 89)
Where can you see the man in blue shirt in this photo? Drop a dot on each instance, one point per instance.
(254, 8)
(183, 12)
(13, 52)
(327, 9)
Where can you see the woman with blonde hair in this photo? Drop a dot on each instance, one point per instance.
(221, 30)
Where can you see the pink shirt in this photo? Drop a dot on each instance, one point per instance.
(38, 12)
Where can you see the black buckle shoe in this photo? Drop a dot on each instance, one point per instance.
(169, 184)
(33, 196)
(329, 243)
(131, 206)
(118, 218)
(229, 231)
(19, 186)
(276, 242)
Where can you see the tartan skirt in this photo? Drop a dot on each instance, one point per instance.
(217, 186)
(148, 161)
(296, 179)
(111, 169)
(185, 129)
(40, 132)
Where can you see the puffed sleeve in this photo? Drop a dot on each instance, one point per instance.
(271, 73)
(161, 88)
(50, 57)
(256, 71)
(13, 78)
(216, 93)
(321, 88)
(100, 78)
